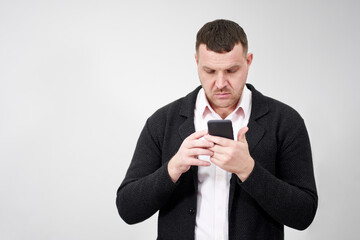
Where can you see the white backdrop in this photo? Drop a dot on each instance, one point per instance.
(78, 80)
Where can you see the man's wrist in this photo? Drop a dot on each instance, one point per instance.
(173, 173)
(247, 171)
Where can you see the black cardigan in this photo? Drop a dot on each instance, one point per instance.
(280, 190)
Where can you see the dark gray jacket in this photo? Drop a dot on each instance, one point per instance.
(280, 190)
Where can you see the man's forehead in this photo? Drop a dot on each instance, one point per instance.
(204, 48)
(228, 59)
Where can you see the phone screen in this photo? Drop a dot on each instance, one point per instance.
(221, 128)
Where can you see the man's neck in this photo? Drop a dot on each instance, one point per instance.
(224, 112)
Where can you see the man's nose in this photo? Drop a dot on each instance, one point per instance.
(221, 81)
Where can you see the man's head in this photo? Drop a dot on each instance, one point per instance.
(221, 36)
(223, 63)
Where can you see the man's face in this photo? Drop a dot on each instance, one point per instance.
(223, 76)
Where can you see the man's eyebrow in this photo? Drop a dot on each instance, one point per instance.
(233, 67)
(208, 69)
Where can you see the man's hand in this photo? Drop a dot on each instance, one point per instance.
(232, 156)
(187, 155)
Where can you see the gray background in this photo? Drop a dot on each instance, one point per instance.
(79, 78)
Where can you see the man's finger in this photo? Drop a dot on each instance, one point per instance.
(241, 134)
(200, 151)
(217, 140)
(215, 161)
(198, 134)
(218, 149)
(198, 162)
(201, 144)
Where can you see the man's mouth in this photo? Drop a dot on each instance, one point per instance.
(222, 95)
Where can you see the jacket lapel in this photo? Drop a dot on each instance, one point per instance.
(187, 128)
(259, 109)
(254, 134)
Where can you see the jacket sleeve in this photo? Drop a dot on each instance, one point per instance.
(289, 196)
(147, 184)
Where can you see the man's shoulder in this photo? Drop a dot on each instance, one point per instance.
(281, 107)
(263, 104)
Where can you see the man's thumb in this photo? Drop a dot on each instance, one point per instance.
(241, 134)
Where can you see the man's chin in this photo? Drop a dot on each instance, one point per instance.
(222, 104)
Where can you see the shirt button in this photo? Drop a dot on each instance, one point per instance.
(191, 211)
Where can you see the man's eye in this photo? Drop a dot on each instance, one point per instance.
(210, 71)
(231, 71)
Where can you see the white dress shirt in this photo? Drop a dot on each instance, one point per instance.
(213, 182)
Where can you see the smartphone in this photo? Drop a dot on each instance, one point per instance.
(221, 128)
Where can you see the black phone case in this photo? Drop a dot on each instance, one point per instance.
(221, 128)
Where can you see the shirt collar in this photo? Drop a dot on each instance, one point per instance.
(243, 107)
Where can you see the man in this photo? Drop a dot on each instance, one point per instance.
(208, 187)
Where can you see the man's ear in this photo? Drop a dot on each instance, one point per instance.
(249, 59)
(196, 58)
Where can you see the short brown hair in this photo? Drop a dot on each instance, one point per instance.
(221, 36)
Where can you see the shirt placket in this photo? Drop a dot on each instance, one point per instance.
(219, 204)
